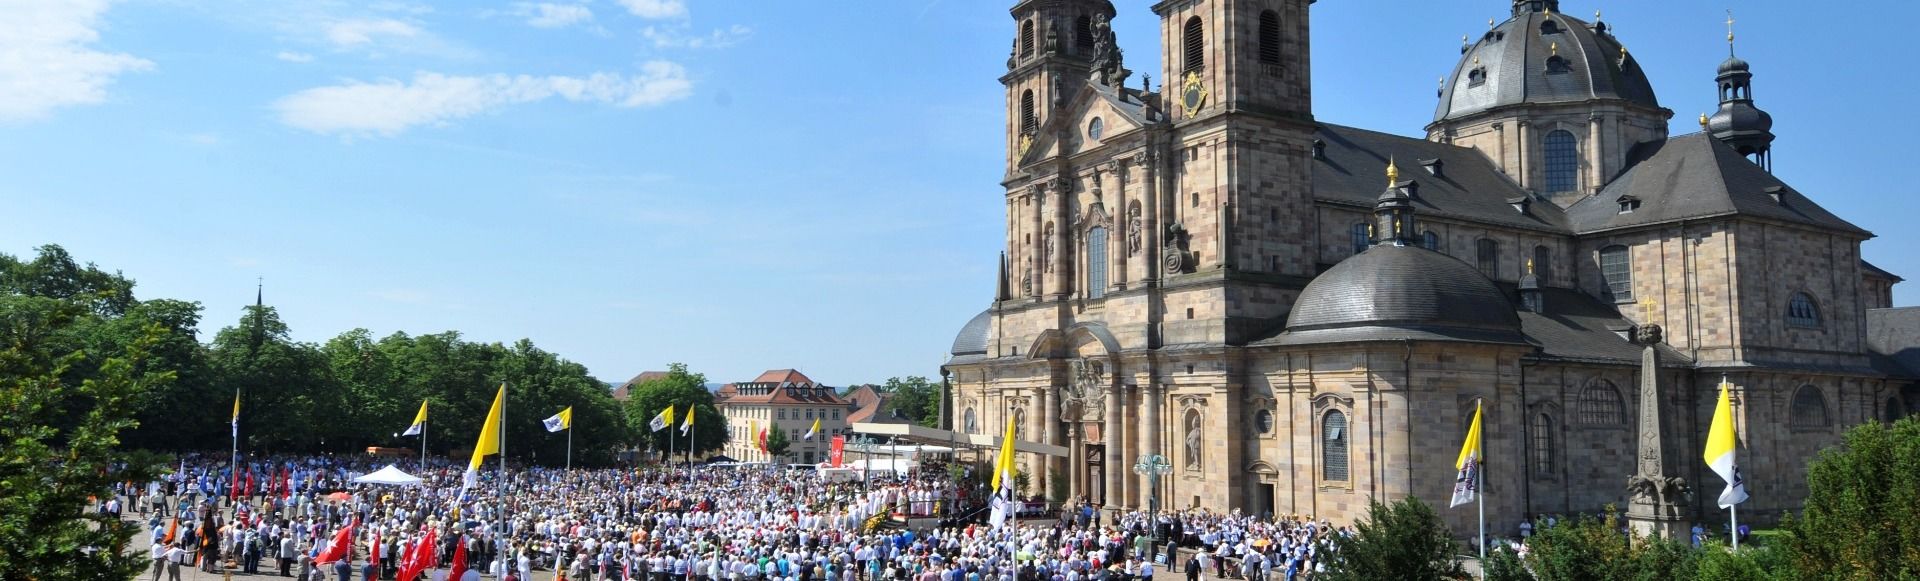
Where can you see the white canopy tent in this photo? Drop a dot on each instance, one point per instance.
(389, 476)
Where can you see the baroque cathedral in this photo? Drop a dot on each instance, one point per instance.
(1300, 316)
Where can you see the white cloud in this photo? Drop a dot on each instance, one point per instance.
(656, 9)
(549, 15)
(389, 107)
(719, 38)
(46, 61)
(352, 33)
(294, 57)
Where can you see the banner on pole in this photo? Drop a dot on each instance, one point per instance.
(838, 451)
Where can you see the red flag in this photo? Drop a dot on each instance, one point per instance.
(373, 549)
(459, 559)
(234, 491)
(838, 450)
(419, 558)
(340, 548)
(172, 525)
(249, 491)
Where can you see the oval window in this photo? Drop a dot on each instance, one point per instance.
(1095, 128)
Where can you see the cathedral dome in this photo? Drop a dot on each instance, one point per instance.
(1393, 291)
(972, 339)
(1542, 56)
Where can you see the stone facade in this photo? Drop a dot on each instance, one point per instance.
(785, 400)
(1158, 242)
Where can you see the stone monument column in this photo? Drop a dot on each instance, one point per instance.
(1076, 460)
(1656, 493)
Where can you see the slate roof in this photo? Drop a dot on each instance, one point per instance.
(1894, 335)
(1696, 176)
(1578, 327)
(1352, 169)
(1395, 292)
(1877, 271)
(1514, 56)
(972, 338)
(776, 383)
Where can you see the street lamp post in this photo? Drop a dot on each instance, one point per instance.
(1152, 466)
(865, 445)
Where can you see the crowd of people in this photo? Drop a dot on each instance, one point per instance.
(675, 524)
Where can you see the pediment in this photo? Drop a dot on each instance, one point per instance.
(1067, 131)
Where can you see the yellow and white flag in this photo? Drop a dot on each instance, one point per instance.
(560, 421)
(1466, 485)
(813, 431)
(419, 421)
(1002, 488)
(236, 414)
(687, 426)
(660, 422)
(1720, 447)
(489, 443)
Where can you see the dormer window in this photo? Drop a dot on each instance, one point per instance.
(1549, 27)
(1628, 204)
(1557, 64)
(1778, 193)
(1477, 77)
(1434, 166)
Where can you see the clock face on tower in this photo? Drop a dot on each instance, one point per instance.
(1193, 94)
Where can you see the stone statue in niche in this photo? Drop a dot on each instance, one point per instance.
(1046, 250)
(1026, 278)
(1085, 392)
(1193, 441)
(1134, 237)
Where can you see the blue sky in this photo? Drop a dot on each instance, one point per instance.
(738, 185)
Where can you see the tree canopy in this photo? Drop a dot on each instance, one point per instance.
(687, 393)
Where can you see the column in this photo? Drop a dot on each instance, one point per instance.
(1037, 198)
(1119, 250)
(1060, 283)
(1150, 419)
(1525, 163)
(1124, 439)
(1594, 155)
(1049, 421)
(1150, 206)
(1110, 435)
(1076, 458)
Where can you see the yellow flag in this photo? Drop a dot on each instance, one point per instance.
(489, 432)
(1003, 464)
(1466, 484)
(662, 421)
(236, 406)
(1721, 442)
(419, 421)
(813, 431)
(687, 426)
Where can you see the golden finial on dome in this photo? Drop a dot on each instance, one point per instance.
(1703, 121)
(1489, 23)
(1529, 266)
(1555, 47)
(1596, 15)
(1393, 172)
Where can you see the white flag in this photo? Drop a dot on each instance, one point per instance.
(560, 421)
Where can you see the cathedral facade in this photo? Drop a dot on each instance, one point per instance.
(1299, 316)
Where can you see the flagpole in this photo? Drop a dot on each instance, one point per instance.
(1733, 510)
(569, 442)
(1480, 494)
(502, 484)
(235, 463)
(423, 446)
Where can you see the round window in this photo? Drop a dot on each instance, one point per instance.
(1095, 127)
(1263, 421)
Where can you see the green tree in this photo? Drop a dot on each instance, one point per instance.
(47, 473)
(53, 273)
(1586, 548)
(777, 443)
(683, 390)
(1862, 516)
(915, 398)
(290, 400)
(1402, 540)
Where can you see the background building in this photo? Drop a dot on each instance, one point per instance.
(1302, 316)
(786, 400)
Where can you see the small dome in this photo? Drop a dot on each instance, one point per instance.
(1404, 287)
(1733, 64)
(972, 339)
(1542, 56)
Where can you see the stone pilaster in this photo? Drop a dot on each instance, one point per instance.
(1110, 436)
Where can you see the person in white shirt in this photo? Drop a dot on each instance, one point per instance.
(159, 554)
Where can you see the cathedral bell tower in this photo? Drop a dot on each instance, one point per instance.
(1739, 123)
(1053, 53)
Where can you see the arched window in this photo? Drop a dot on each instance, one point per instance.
(1097, 262)
(1543, 262)
(1801, 312)
(1029, 124)
(1270, 37)
(1488, 254)
(1083, 33)
(1809, 408)
(1026, 38)
(1563, 162)
(1542, 444)
(1616, 269)
(1361, 237)
(1601, 405)
(1430, 241)
(1195, 42)
(1333, 447)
